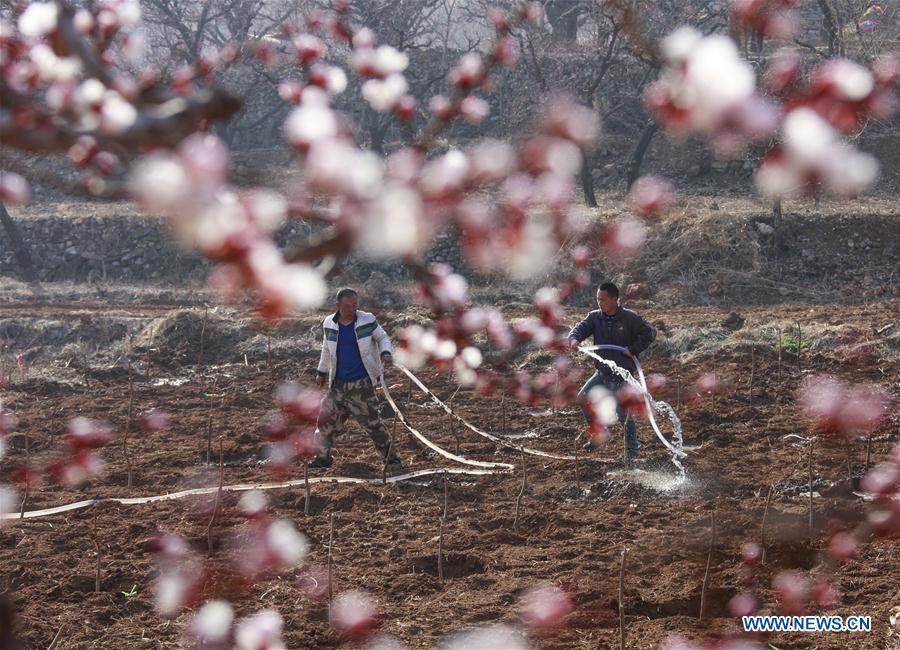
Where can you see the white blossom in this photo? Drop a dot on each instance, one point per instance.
(38, 19)
(212, 623)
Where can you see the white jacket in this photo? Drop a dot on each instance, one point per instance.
(372, 340)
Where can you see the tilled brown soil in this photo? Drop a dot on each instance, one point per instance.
(575, 518)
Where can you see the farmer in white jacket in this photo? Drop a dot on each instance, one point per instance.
(354, 351)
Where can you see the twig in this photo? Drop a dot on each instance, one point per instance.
(762, 537)
(709, 556)
(215, 512)
(503, 414)
(622, 601)
(799, 348)
(521, 492)
(56, 637)
(868, 451)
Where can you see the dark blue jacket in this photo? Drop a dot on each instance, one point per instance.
(625, 328)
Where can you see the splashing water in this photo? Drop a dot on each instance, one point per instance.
(676, 446)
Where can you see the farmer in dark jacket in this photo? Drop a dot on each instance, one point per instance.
(612, 324)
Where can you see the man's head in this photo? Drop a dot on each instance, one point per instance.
(347, 303)
(608, 298)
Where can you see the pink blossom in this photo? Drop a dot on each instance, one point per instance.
(652, 197)
(751, 553)
(353, 614)
(474, 109)
(881, 480)
(384, 94)
(14, 189)
(85, 433)
(212, 623)
(308, 48)
(564, 118)
(155, 420)
(743, 604)
(313, 582)
(545, 606)
(79, 467)
(792, 588)
(825, 593)
(469, 71)
(262, 631)
(623, 239)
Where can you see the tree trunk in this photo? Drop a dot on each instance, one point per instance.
(20, 248)
(637, 158)
(587, 180)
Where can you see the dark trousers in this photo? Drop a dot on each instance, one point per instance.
(612, 383)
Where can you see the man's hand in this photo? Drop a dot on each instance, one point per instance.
(320, 380)
(628, 354)
(573, 344)
(387, 358)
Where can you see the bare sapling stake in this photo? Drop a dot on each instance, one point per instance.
(96, 535)
(811, 441)
(331, 559)
(306, 484)
(453, 431)
(27, 477)
(799, 349)
(622, 600)
(765, 517)
(778, 343)
(215, 512)
(202, 344)
(268, 350)
(84, 368)
(390, 451)
(521, 492)
(503, 415)
(709, 557)
(129, 421)
(208, 430)
(441, 520)
(868, 451)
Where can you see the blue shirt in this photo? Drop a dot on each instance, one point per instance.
(349, 362)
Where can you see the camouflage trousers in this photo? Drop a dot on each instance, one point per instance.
(357, 400)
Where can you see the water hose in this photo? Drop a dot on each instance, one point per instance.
(676, 446)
